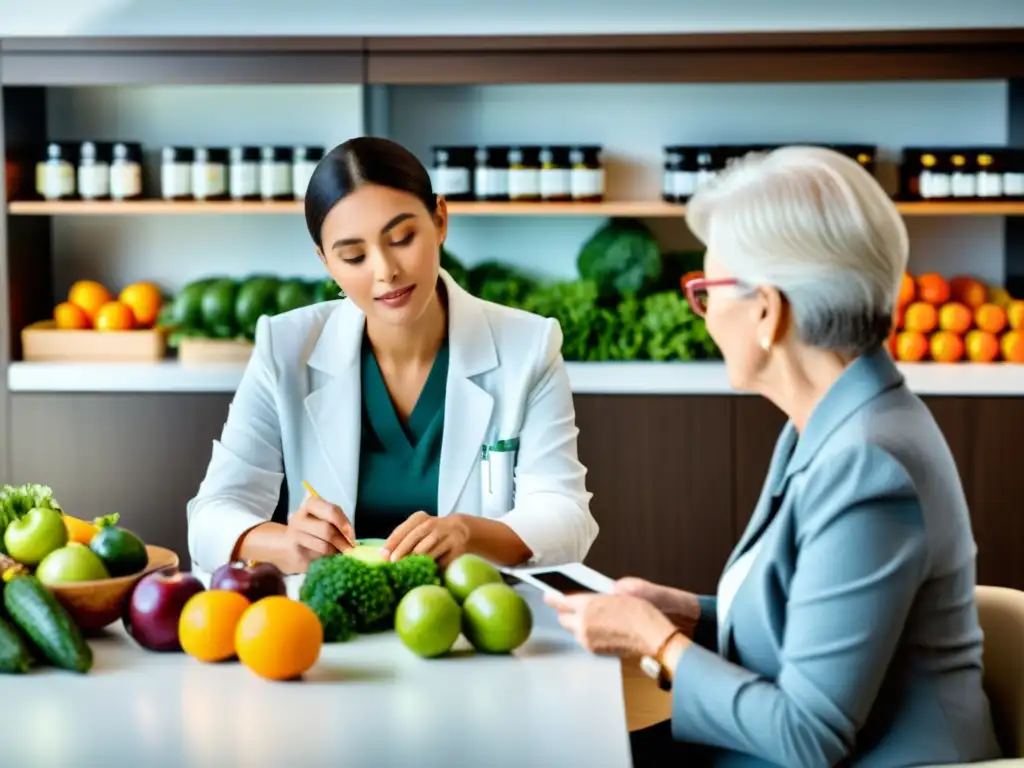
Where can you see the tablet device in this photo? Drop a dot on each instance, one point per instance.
(569, 579)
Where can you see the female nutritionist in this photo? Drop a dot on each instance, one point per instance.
(418, 413)
(844, 626)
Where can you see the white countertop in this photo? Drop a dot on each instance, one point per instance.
(368, 702)
(640, 378)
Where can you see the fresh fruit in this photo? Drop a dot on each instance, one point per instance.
(292, 294)
(946, 347)
(955, 317)
(1015, 314)
(15, 653)
(70, 317)
(981, 346)
(467, 573)
(991, 318)
(968, 291)
(999, 296)
(114, 316)
(278, 638)
(1011, 345)
(32, 537)
(45, 621)
(206, 627)
(75, 562)
(368, 552)
(256, 297)
(122, 552)
(252, 579)
(932, 289)
(80, 531)
(921, 317)
(496, 618)
(90, 296)
(911, 346)
(908, 290)
(218, 308)
(428, 621)
(144, 300)
(155, 607)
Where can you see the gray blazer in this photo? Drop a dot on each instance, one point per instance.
(854, 637)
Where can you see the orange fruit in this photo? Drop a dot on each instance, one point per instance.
(920, 317)
(946, 347)
(79, 531)
(955, 317)
(1012, 346)
(206, 627)
(114, 316)
(898, 316)
(999, 296)
(90, 296)
(968, 290)
(1015, 313)
(981, 346)
(911, 346)
(145, 301)
(932, 288)
(908, 290)
(68, 316)
(279, 638)
(989, 317)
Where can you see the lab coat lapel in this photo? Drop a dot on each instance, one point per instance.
(335, 407)
(467, 407)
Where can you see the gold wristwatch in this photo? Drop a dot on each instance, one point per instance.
(654, 666)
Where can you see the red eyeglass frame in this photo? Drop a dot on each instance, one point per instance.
(700, 284)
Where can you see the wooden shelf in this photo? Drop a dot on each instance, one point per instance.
(639, 378)
(635, 208)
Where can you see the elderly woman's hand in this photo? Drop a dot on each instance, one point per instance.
(615, 624)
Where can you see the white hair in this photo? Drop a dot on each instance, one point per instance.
(816, 225)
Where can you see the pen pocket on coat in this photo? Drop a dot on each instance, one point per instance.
(497, 482)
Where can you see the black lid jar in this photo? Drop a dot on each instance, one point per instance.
(679, 176)
(55, 172)
(94, 160)
(490, 176)
(125, 170)
(451, 173)
(276, 173)
(990, 167)
(963, 179)
(555, 174)
(523, 173)
(210, 173)
(304, 162)
(176, 173)
(244, 173)
(587, 178)
(925, 174)
(709, 161)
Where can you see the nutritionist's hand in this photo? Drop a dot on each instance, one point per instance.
(442, 538)
(318, 528)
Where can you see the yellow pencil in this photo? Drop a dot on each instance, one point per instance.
(309, 490)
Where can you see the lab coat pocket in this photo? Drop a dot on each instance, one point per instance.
(497, 482)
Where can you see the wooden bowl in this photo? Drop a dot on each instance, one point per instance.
(97, 604)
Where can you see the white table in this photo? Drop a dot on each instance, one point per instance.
(368, 702)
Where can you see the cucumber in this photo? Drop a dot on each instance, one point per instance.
(46, 622)
(15, 654)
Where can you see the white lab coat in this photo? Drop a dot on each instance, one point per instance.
(297, 414)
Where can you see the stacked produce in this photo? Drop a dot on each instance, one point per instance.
(44, 549)
(962, 319)
(228, 308)
(361, 591)
(91, 305)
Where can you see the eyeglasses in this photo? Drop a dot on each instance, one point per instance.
(697, 292)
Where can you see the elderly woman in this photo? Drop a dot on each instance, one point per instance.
(844, 629)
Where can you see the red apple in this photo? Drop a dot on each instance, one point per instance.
(253, 579)
(155, 606)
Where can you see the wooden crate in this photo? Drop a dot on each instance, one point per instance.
(206, 351)
(43, 341)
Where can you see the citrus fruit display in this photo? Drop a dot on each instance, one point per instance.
(206, 627)
(467, 573)
(278, 638)
(496, 618)
(428, 621)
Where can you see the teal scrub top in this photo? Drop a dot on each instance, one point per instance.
(399, 463)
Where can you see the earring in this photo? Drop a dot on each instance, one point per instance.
(766, 343)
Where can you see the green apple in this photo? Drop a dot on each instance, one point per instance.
(75, 562)
(35, 535)
(466, 573)
(428, 621)
(496, 619)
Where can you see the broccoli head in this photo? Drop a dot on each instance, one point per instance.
(362, 591)
(412, 571)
